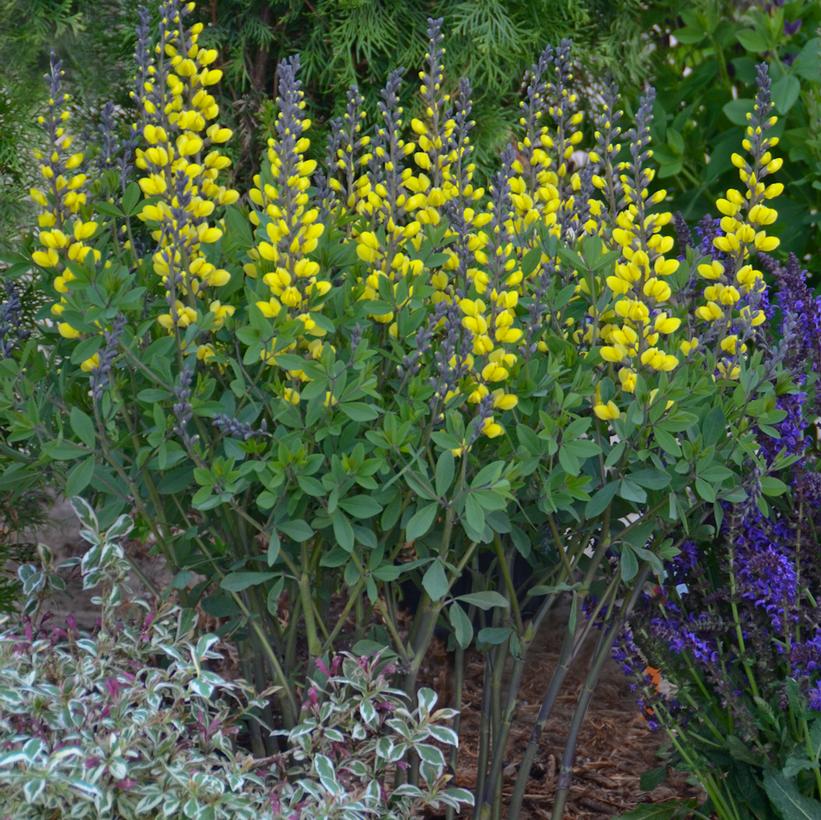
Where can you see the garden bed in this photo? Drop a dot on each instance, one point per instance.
(615, 748)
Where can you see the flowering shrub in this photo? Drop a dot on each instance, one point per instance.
(727, 653)
(385, 373)
(131, 720)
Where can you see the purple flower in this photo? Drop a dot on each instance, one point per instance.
(680, 636)
(805, 657)
(814, 697)
(766, 572)
(792, 27)
(684, 563)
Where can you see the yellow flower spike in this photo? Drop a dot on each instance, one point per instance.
(658, 360)
(765, 243)
(84, 230)
(217, 278)
(710, 312)
(729, 344)
(665, 267)
(758, 318)
(656, 289)
(727, 208)
(209, 235)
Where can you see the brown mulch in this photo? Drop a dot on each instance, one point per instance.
(615, 745)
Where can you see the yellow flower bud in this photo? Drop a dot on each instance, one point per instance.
(607, 412)
(67, 331)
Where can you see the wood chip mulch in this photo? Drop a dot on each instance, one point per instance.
(615, 746)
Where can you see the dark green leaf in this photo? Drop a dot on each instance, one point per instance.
(705, 490)
(488, 475)
(474, 514)
(651, 478)
(484, 600)
(343, 531)
(274, 545)
(421, 521)
(359, 411)
(462, 627)
(736, 110)
(652, 778)
(494, 635)
(791, 804)
(297, 530)
(239, 581)
(628, 563)
(83, 426)
(785, 93)
(773, 486)
(361, 506)
(598, 503)
(752, 40)
(272, 599)
(445, 470)
(420, 485)
(435, 581)
(630, 491)
(808, 62)
(79, 477)
(64, 450)
(130, 198)
(570, 464)
(714, 426)
(388, 572)
(582, 448)
(667, 442)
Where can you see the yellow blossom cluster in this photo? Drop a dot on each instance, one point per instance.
(641, 317)
(444, 268)
(180, 161)
(405, 204)
(288, 231)
(734, 285)
(604, 208)
(403, 201)
(545, 183)
(388, 243)
(349, 155)
(64, 232)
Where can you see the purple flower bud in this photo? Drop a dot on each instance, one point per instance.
(793, 27)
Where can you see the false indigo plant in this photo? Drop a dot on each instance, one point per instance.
(324, 396)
